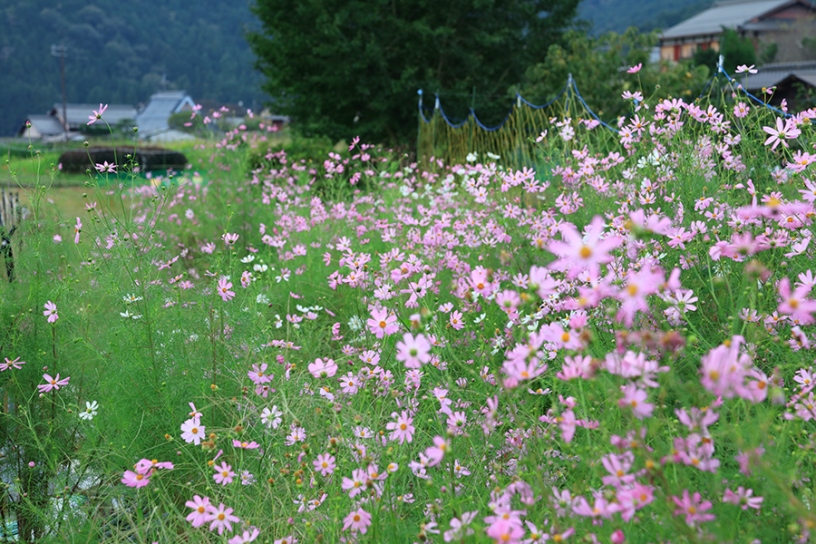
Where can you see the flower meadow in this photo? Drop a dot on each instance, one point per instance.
(611, 345)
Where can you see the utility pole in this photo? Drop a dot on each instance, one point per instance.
(60, 51)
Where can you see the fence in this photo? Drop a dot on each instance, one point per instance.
(513, 140)
(11, 215)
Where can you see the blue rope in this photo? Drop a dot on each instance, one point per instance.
(550, 103)
(752, 97)
(445, 117)
(489, 129)
(708, 85)
(592, 113)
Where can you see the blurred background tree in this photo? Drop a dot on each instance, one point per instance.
(351, 67)
(598, 66)
(735, 50)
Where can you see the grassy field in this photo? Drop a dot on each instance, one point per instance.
(616, 347)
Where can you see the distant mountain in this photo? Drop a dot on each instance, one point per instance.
(122, 51)
(645, 15)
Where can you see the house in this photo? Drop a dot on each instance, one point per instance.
(767, 23)
(790, 81)
(79, 114)
(153, 119)
(51, 127)
(42, 127)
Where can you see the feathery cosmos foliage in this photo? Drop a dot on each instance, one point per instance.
(613, 346)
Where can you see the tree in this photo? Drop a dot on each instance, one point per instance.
(353, 67)
(735, 49)
(598, 66)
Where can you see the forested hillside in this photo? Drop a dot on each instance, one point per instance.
(645, 15)
(121, 51)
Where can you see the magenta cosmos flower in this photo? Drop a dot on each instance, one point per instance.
(414, 351)
(52, 383)
(245, 445)
(223, 474)
(220, 518)
(51, 311)
(325, 464)
(224, 286)
(357, 520)
(198, 516)
(578, 253)
(134, 479)
(323, 369)
(381, 323)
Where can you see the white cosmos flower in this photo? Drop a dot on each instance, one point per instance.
(90, 411)
(248, 259)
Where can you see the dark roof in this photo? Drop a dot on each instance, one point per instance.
(78, 114)
(774, 74)
(725, 13)
(45, 125)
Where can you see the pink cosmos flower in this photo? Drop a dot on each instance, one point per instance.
(52, 383)
(356, 483)
(381, 323)
(578, 253)
(134, 479)
(743, 497)
(402, 429)
(198, 516)
(106, 167)
(97, 114)
(506, 531)
(323, 369)
(635, 69)
(224, 286)
(325, 464)
(77, 230)
(781, 133)
(724, 369)
(636, 399)
(693, 507)
(148, 466)
(456, 320)
(193, 431)
(357, 520)
(796, 304)
(247, 536)
(220, 518)
(16, 363)
(413, 351)
(258, 374)
(436, 452)
(245, 445)
(51, 312)
(743, 68)
(223, 474)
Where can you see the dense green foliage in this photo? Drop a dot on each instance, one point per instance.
(367, 59)
(735, 49)
(119, 52)
(599, 65)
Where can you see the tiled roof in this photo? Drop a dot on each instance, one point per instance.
(774, 74)
(78, 113)
(726, 13)
(45, 124)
